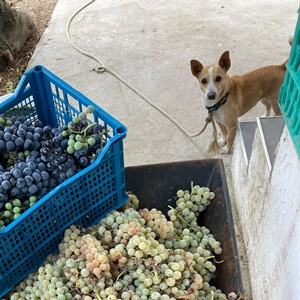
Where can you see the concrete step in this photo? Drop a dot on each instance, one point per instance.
(256, 143)
(270, 129)
(246, 131)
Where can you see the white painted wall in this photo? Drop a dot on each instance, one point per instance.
(268, 206)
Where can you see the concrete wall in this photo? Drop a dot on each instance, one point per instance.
(268, 206)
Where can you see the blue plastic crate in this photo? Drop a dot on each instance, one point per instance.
(289, 99)
(83, 199)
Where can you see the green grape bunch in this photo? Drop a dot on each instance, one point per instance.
(84, 137)
(129, 255)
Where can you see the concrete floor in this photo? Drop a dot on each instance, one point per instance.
(150, 45)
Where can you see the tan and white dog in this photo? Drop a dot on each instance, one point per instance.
(231, 97)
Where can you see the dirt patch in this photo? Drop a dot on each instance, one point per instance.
(40, 12)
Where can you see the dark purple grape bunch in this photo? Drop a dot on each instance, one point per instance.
(35, 158)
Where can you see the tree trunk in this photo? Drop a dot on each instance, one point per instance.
(15, 28)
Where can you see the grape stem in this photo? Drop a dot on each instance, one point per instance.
(76, 283)
(156, 275)
(218, 262)
(212, 295)
(85, 130)
(181, 218)
(95, 294)
(214, 258)
(120, 275)
(89, 126)
(192, 187)
(11, 156)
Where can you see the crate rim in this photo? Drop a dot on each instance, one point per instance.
(120, 128)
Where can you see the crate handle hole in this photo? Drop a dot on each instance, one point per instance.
(38, 68)
(121, 130)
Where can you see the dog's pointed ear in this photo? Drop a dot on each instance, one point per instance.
(224, 61)
(196, 67)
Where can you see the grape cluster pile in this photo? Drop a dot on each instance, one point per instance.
(34, 159)
(132, 254)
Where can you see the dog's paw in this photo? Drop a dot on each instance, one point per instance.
(222, 142)
(225, 150)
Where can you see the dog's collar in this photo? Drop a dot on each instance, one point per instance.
(218, 104)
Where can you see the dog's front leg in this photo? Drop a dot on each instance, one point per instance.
(230, 139)
(223, 129)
